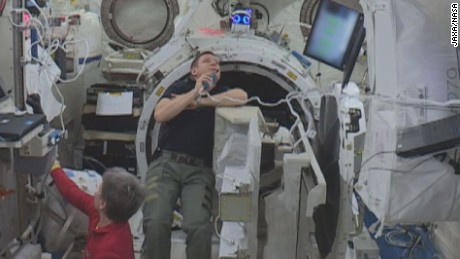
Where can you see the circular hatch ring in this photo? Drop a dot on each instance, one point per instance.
(307, 15)
(139, 32)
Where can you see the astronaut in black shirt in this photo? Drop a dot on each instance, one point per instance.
(183, 168)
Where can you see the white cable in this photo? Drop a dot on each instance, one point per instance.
(42, 59)
(31, 18)
(254, 98)
(311, 131)
(294, 125)
(416, 102)
(226, 177)
(44, 16)
(301, 24)
(286, 100)
(115, 43)
(304, 135)
(293, 112)
(61, 113)
(53, 44)
(84, 60)
(110, 55)
(406, 238)
(230, 242)
(310, 128)
(63, 47)
(138, 78)
(215, 226)
(61, 96)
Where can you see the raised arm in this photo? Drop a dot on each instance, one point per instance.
(233, 97)
(169, 107)
(71, 192)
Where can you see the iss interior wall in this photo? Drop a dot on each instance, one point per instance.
(6, 50)
(9, 218)
(447, 238)
(9, 225)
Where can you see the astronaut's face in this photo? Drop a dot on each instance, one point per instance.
(208, 63)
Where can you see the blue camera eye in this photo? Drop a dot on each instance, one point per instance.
(246, 20)
(236, 19)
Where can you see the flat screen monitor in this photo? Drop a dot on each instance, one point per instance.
(332, 33)
(353, 50)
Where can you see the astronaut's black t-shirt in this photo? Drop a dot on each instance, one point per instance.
(191, 131)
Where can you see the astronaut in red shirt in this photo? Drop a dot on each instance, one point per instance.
(117, 198)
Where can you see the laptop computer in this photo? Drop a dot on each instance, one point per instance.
(14, 127)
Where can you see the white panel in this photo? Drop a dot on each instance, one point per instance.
(6, 50)
(447, 239)
(9, 223)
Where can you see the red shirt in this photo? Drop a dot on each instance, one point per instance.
(113, 241)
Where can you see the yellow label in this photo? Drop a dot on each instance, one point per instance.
(115, 93)
(292, 75)
(131, 55)
(160, 90)
(74, 3)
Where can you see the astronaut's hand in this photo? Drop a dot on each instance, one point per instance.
(200, 83)
(56, 164)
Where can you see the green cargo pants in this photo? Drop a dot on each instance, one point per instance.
(166, 181)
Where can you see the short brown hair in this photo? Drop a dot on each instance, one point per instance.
(122, 192)
(199, 55)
